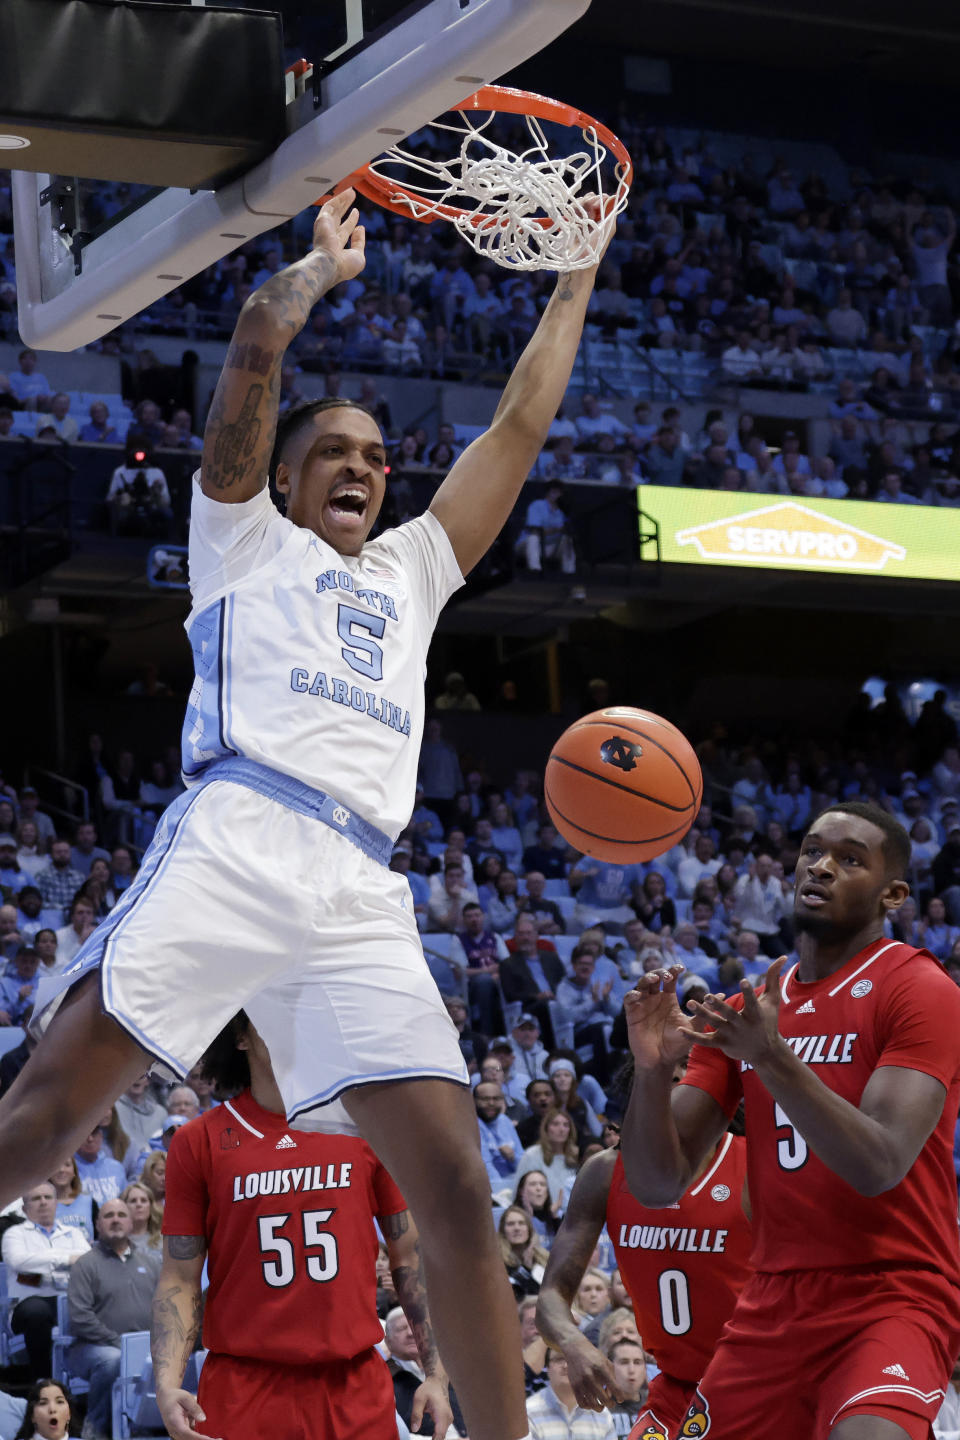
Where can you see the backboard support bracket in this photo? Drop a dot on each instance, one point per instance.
(401, 81)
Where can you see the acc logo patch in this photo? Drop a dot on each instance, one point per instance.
(620, 752)
(697, 1419)
(229, 1139)
(862, 987)
(720, 1192)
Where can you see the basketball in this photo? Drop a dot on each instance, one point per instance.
(623, 785)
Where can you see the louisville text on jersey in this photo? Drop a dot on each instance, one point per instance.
(300, 1177)
(672, 1237)
(819, 1049)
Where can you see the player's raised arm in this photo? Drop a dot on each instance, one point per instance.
(668, 1129)
(240, 428)
(174, 1331)
(590, 1373)
(476, 498)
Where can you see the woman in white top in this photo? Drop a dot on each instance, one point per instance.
(49, 1413)
(555, 1154)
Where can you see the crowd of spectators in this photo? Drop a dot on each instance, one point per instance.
(779, 280)
(533, 947)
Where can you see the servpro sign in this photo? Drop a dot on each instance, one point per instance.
(726, 528)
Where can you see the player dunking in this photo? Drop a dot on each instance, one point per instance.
(285, 1222)
(683, 1267)
(266, 886)
(849, 1067)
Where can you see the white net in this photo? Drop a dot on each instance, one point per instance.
(526, 210)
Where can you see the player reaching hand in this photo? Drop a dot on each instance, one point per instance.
(849, 1067)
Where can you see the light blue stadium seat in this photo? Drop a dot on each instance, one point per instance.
(436, 952)
(134, 1405)
(13, 1351)
(60, 1354)
(565, 947)
(439, 942)
(566, 905)
(556, 889)
(10, 1037)
(463, 434)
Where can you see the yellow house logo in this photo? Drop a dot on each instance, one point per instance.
(792, 535)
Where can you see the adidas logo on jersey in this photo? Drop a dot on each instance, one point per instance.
(807, 1008)
(286, 1143)
(897, 1370)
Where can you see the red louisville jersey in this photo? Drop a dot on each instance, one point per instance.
(889, 1005)
(288, 1220)
(685, 1265)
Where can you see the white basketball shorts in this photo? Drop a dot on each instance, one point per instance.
(258, 893)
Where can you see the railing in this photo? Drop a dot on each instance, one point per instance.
(72, 787)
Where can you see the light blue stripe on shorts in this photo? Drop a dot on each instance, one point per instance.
(306, 800)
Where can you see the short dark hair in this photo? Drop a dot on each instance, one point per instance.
(294, 420)
(226, 1067)
(471, 905)
(45, 931)
(896, 841)
(537, 1080)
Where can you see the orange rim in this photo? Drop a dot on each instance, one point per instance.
(394, 195)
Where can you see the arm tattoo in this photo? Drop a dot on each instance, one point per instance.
(185, 1247)
(176, 1321)
(393, 1226)
(292, 294)
(411, 1288)
(564, 289)
(236, 442)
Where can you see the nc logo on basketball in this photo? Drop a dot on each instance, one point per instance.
(697, 1419)
(620, 752)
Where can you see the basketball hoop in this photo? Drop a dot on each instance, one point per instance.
(526, 210)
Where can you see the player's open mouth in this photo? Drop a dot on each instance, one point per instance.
(814, 895)
(349, 504)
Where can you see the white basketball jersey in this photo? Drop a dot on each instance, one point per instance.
(310, 661)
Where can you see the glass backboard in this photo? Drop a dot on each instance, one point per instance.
(383, 69)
